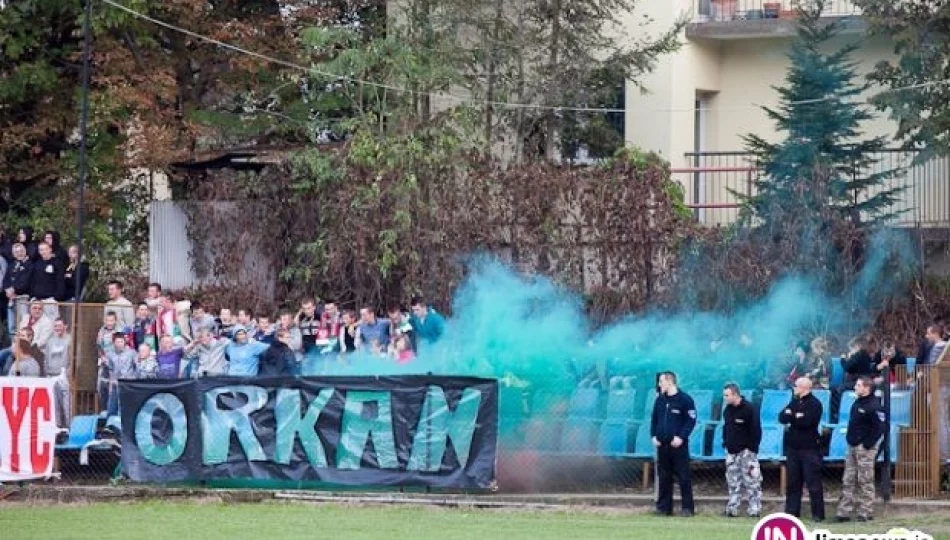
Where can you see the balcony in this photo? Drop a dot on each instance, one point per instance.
(750, 19)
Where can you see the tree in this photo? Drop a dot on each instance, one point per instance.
(818, 174)
(920, 75)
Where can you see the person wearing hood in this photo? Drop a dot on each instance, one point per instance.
(279, 359)
(75, 270)
(25, 236)
(245, 354)
(16, 284)
(53, 239)
(208, 351)
(47, 280)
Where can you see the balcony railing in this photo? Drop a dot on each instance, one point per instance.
(763, 10)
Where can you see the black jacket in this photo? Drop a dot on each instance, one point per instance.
(309, 327)
(6, 248)
(277, 360)
(19, 276)
(673, 416)
(923, 351)
(47, 279)
(859, 363)
(31, 247)
(741, 428)
(71, 275)
(803, 417)
(866, 424)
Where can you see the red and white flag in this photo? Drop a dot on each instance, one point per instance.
(27, 428)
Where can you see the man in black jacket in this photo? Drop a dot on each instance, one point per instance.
(16, 283)
(47, 281)
(674, 417)
(741, 435)
(865, 429)
(279, 359)
(803, 451)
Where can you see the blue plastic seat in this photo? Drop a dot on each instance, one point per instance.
(579, 436)
(824, 396)
(838, 449)
(697, 441)
(844, 409)
(82, 431)
(900, 408)
(894, 439)
(911, 365)
(773, 401)
(613, 437)
(703, 399)
(837, 371)
(773, 438)
(718, 450)
(648, 405)
(549, 404)
(643, 446)
(621, 405)
(584, 403)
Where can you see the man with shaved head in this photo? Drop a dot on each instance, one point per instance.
(803, 452)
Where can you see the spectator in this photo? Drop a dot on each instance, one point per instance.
(7, 356)
(858, 362)
(932, 347)
(402, 350)
(4, 264)
(886, 357)
(286, 322)
(245, 354)
(167, 322)
(52, 239)
(330, 321)
(399, 325)
(350, 332)
(279, 359)
(153, 297)
(308, 322)
(225, 323)
(56, 364)
(105, 348)
(41, 325)
(47, 280)
(75, 271)
(372, 329)
(120, 305)
(426, 321)
(146, 365)
(265, 330)
(16, 283)
(24, 365)
(208, 351)
(245, 318)
(122, 364)
(200, 320)
(25, 237)
(144, 330)
(169, 358)
(6, 245)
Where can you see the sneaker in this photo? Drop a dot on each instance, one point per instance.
(729, 514)
(842, 519)
(865, 518)
(687, 513)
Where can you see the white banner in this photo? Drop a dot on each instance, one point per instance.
(27, 428)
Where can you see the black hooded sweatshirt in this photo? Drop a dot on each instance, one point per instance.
(57, 246)
(19, 276)
(30, 244)
(48, 280)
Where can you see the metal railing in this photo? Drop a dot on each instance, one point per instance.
(750, 10)
(713, 181)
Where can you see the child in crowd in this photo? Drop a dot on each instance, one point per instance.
(146, 367)
(402, 350)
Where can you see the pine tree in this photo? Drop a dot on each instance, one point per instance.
(823, 171)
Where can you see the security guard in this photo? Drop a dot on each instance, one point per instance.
(674, 416)
(865, 429)
(741, 435)
(803, 452)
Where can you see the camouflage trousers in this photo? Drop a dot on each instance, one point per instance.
(744, 478)
(857, 486)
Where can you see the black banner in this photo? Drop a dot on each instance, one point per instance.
(355, 431)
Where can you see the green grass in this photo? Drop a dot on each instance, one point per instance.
(210, 521)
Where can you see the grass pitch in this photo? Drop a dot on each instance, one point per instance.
(213, 520)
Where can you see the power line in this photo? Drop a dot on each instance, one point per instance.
(471, 99)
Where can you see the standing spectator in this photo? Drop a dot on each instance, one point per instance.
(120, 305)
(7, 356)
(24, 365)
(673, 419)
(265, 330)
(803, 441)
(858, 362)
(372, 329)
(245, 318)
(144, 330)
(56, 364)
(16, 283)
(153, 297)
(76, 271)
(426, 321)
(245, 354)
(200, 320)
(279, 359)
(865, 429)
(930, 350)
(146, 366)
(886, 357)
(349, 333)
(25, 237)
(105, 348)
(399, 325)
(741, 435)
(330, 321)
(208, 351)
(169, 358)
(52, 239)
(225, 323)
(167, 322)
(47, 281)
(308, 322)
(121, 362)
(286, 322)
